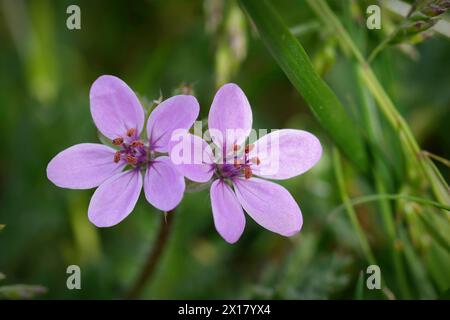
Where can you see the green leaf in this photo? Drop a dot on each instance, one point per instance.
(359, 289)
(297, 66)
(409, 144)
(417, 269)
(441, 239)
(445, 295)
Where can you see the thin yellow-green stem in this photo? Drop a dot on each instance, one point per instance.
(411, 147)
(379, 48)
(440, 159)
(369, 118)
(377, 197)
(387, 216)
(296, 64)
(339, 174)
(364, 243)
(153, 257)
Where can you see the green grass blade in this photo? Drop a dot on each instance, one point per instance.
(418, 271)
(410, 145)
(339, 174)
(377, 197)
(297, 66)
(437, 236)
(359, 289)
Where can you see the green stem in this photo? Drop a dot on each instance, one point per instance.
(364, 243)
(339, 174)
(377, 197)
(411, 147)
(379, 48)
(370, 117)
(153, 258)
(440, 239)
(296, 64)
(383, 44)
(440, 159)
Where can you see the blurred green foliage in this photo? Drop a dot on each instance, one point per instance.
(156, 46)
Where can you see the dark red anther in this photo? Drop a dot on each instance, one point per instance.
(131, 132)
(117, 156)
(249, 148)
(236, 147)
(255, 160)
(247, 172)
(131, 159)
(117, 141)
(137, 143)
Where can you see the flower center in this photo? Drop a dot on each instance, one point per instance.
(239, 164)
(132, 150)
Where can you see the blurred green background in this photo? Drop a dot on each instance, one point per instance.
(156, 47)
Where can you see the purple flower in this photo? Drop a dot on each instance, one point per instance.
(282, 154)
(119, 116)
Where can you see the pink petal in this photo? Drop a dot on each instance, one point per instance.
(230, 110)
(114, 200)
(178, 112)
(228, 215)
(115, 108)
(83, 166)
(270, 205)
(192, 156)
(284, 154)
(163, 185)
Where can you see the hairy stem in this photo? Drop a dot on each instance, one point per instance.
(153, 257)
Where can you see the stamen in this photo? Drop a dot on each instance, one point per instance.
(237, 163)
(255, 160)
(249, 148)
(131, 159)
(247, 172)
(117, 141)
(131, 132)
(137, 143)
(117, 156)
(236, 147)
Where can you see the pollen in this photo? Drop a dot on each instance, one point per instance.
(131, 159)
(237, 163)
(249, 148)
(255, 160)
(131, 132)
(247, 172)
(137, 143)
(117, 156)
(117, 141)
